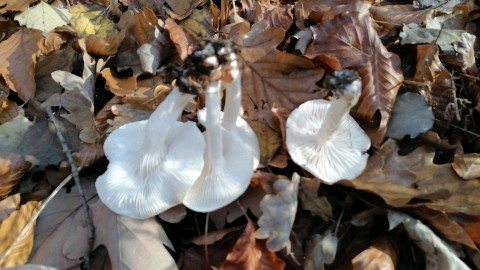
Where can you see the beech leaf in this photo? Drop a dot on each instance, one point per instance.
(44, 17)
(278, 214)
(400, 14)
(12, 167)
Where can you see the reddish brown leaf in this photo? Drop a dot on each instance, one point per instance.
(185, 43)
(250, 253)
(270, 76)
(17, 59)
(383, 254)
(12, 167)
(88, 153)
(399, 14)
(352, 39)
(119, 86)
(8, 111)
(471, 224)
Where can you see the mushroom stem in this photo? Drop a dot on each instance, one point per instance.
(163, 118)
(214, 128)
(233, 99)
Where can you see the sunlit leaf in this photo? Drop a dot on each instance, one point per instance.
(44, 17)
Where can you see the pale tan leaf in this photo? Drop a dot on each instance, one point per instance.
(467, 166)
(320, 250)
(278, 214)
(352, 39)
(17, 60)
(14, 5)
(382, 254)
(44, 17)
(400, 14)
(9, 205)
(438, 254)
(10, 229)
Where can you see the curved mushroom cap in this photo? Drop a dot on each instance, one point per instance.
(243, 131)
(342, 156)
(141, 183)
(220, 185)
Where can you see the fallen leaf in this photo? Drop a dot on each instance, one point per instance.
(44, 17)
(10, 230)
(14, 5)
(185, 43)
(139, 24)
(88, 153)
(200, 23)
(12, 167)
(180, 9)
(467, 166)
(9, 110)
(400, 14)
(269, 76)
(90, 19)
(8, 206)
(318, 205)
(268, 139)
(250, 253)
(438, 254)
(153, 52)
(321, 250)
(17, 61)
(382, 254)
(411, 116)
(352, 39)
(11, 133)
(278, 214)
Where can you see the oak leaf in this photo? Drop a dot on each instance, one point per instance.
(250, 253)
(352, 39)
(269, 76)
(17, 61)
(278, 214)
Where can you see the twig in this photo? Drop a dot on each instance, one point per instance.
(32, 220)
(75, 175)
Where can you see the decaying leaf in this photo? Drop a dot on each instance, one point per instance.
(308, 194)
(180, 9)
(352, 39)
(8, 111)
(250, 253)
(17, 61)
(12, 167)
(44, 17)
(438, 254)
(10, 230)
(14, 5)
(382, 254)
(411, 116)
(11, 133)
(90, 19)
(185, 43)
(269, 76)
(400, 14)
(278, 214)
(321, 250)
(268, 139)
(8, 206)
(467, 166)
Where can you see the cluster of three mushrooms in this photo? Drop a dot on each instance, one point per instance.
(158, 163)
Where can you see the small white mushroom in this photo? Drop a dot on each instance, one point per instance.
(152, 162)
(324, 139)
(228, 163)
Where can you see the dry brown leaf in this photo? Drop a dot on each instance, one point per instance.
(180, 9)
(269, 76)
(10, 229)
(185, 43)
(269, 140)
(119, 86)
(54, 41)
(273, 16)
(14, 5)
(467, 166)
(250, 253)
(12, 167)
(400, 14)
(308, 194)
(88, 153)
(138, 24)
(278, 214)
(382, 254)
(320, 250)
(352, 39)
(441, 222)
(399, 179)
(471, 224)
(8, 111)
(17, 60)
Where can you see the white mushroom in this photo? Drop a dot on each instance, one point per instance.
(324, 139)
(152, 162)
(228, 163)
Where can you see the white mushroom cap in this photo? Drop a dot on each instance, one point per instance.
(152, 163)
(324, 139)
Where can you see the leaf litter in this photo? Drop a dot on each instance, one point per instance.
(104, 64)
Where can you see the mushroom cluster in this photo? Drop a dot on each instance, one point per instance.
(323, 138)
(158, 163)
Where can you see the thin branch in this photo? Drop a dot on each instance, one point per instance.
(76, 177)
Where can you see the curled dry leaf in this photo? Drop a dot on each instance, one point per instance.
(12, 167)
(352, 39)
(269, 76)
(400, 14)
(467, 166)
(17, 61)
(180, 9)
(278, 214)
(438, 254)
(382, 254)
(308, 194)
(185, 43)
(10, 230)
(250, 253)
(119, 86)
(15, 5)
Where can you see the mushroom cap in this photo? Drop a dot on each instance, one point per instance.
(243, 131)
(218, 186)
(141, 183)
(342, 156)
